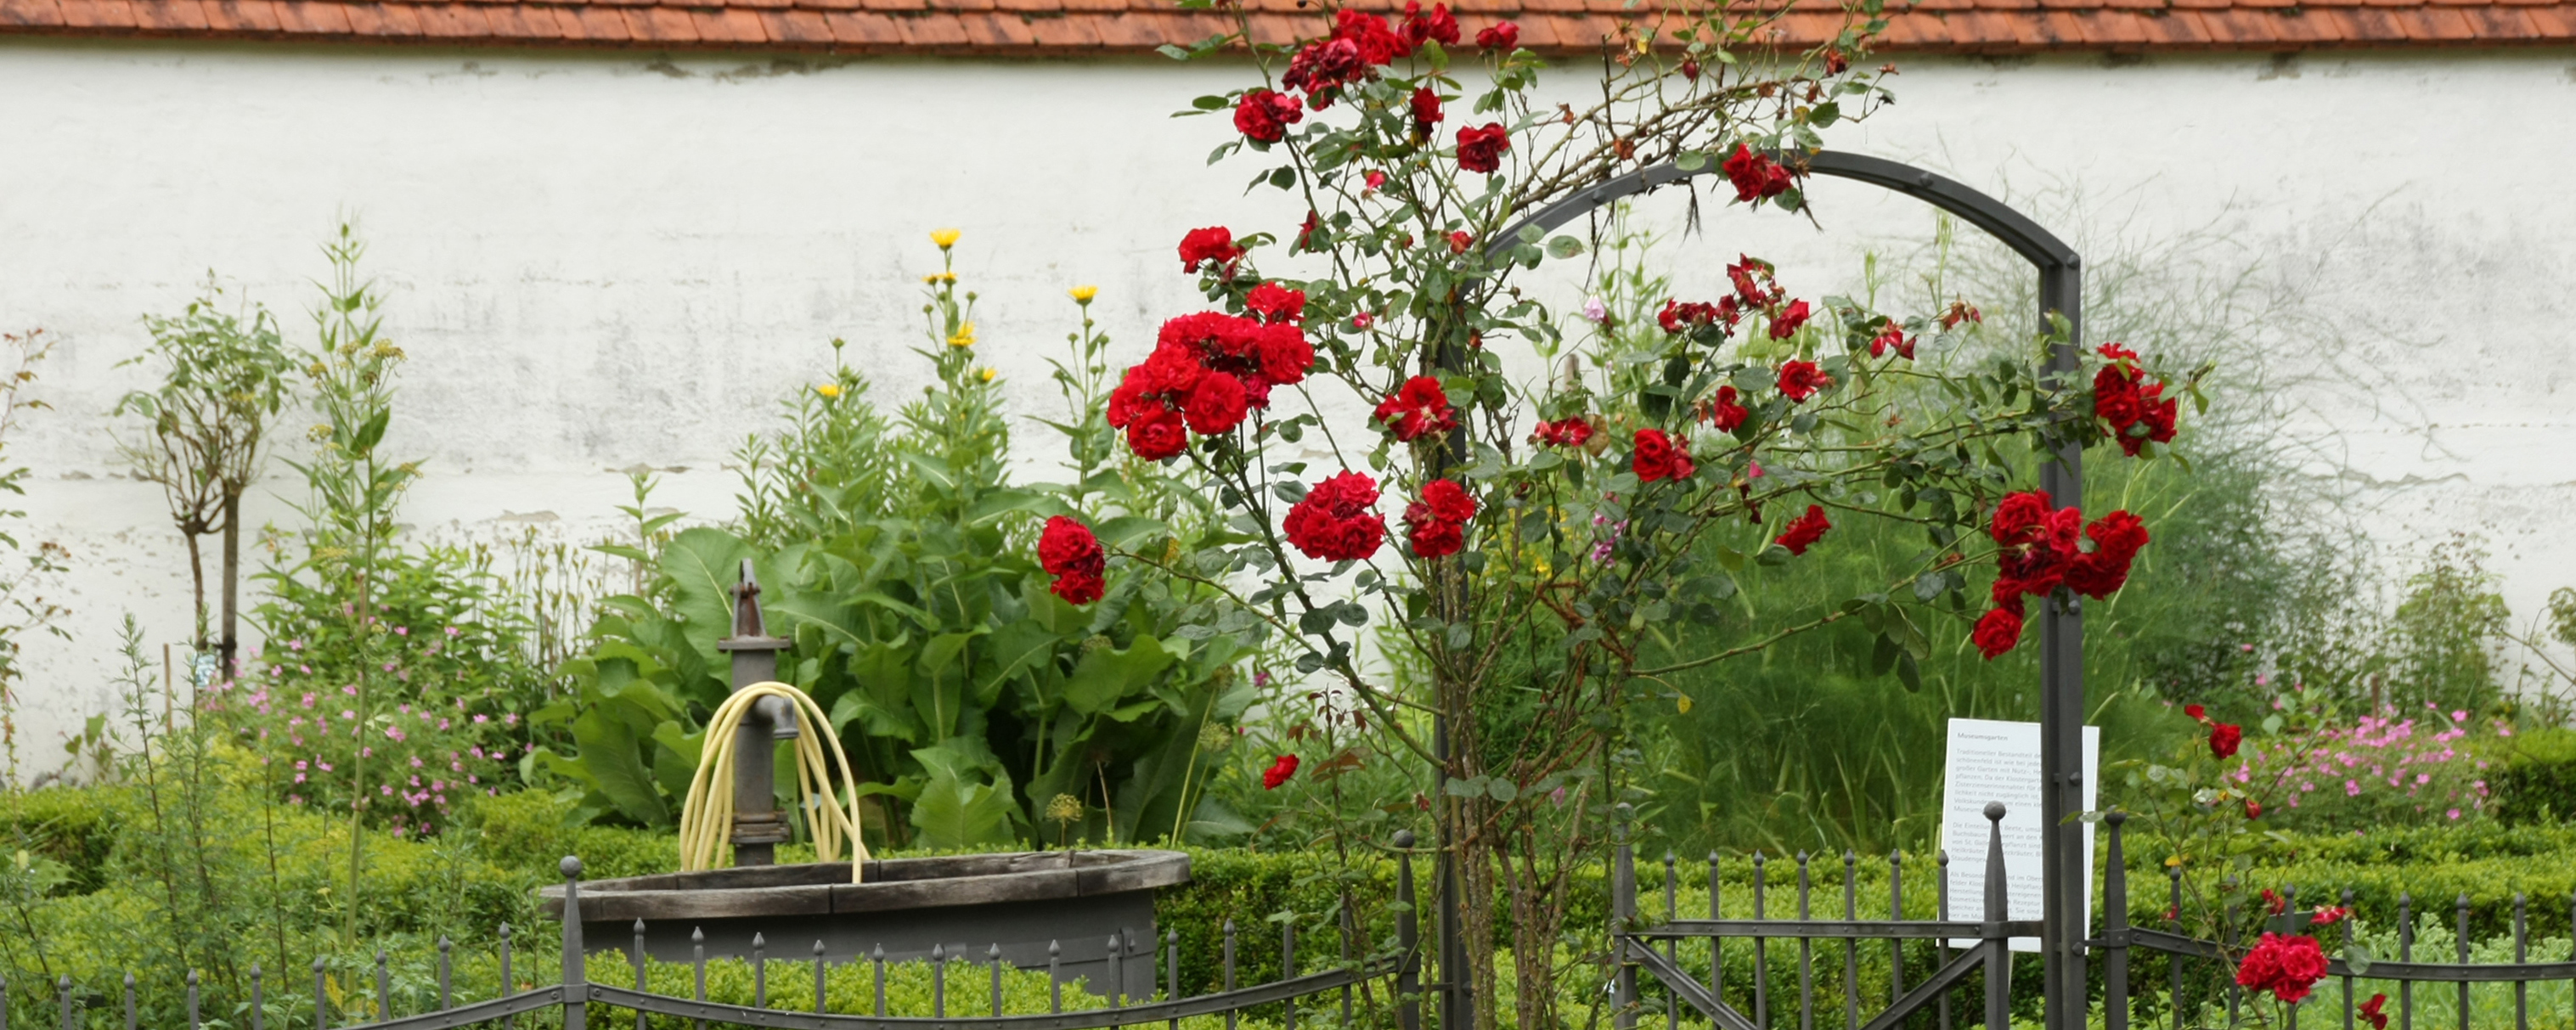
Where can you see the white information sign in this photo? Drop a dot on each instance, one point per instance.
(1999, 761)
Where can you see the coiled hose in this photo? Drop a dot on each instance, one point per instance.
(706, 815)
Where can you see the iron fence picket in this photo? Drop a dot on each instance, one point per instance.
(1806, 953)
(1851, 945)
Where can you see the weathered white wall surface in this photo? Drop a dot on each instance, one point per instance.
(604, 261)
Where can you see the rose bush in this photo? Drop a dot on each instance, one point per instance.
(1552, 524)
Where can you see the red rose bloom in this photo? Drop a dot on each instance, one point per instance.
(1481, 149)
(1417, 409)
(1564, 432)
(1786, 323)
(1158, 435)
(2253, 809)
(2370, 1011)
(1279, 772)
(1378, 44)
(1439, 25)
(1751, 277)
(1805, 530)
(1276, 303)
(1658, 457)
(2288, 965)
(1334, 521)
(1800, 380)
(1426, 112)
(1264, 115)
(1435, 525)
(1679, 317)
(1755, 176)
(1306, 233)
(1891, 336)
(1502, 35)
(1069, 552)
(1217, 405)
(2223, 739)
(1284, 354)
(1212, 245)
(2196, 712)
(1999, 631)
(1724, 412)
(1459, 242)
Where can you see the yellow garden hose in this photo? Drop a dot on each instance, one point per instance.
(706, 815)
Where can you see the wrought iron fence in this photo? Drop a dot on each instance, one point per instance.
(1386, 983)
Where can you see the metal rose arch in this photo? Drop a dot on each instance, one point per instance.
(2061, 281)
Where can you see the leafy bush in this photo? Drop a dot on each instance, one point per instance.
(2534, 782)
(977, 706)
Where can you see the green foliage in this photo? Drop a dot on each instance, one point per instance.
(23, 608)
(895, 553)
(2534, 781)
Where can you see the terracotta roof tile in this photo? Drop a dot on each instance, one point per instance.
(1078, 27)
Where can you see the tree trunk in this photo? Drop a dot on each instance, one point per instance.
(230, 646)
(197, 581)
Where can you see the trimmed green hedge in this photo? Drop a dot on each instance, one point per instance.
(2536, 782)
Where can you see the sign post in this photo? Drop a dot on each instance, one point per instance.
(2001, 761)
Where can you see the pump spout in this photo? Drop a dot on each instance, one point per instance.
(757, 828)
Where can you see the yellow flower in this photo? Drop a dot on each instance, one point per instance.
(945, 238)
(829, 389)
(986, 374)
(1063, 808)
(965, 336)
(1083, 294)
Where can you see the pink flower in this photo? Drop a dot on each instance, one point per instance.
(2351, 789)
(2455, 813)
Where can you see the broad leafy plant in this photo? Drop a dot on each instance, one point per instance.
(979, 706)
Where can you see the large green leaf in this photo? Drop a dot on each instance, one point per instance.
(954, 813)
(1107, 675)
(1008, 651)
(703, 565)
(610, 755)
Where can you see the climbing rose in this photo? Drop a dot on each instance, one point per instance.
(2253, 809)
(1276, 303)
(1439, 25)
(1805, 530)
(1264, 115)
(1436, 524)
(1417, 409)
(1279, 772)
(1212, 244)
(1502, 35)
(1755, 176)
(1786, 323)
(1481, 149)
(1159, 435)
(1800, 380)
(2196, 712)
(1217, 405)
(1460, 241)
(1426, 111)
(1999, 631)
(1678, 317)
(2223, 739)
(1564, 432)
(1723, 411)
(2288, 965)
(1658, 457)
(2370, 1011)
(1069, 552)
(2136, 411)
(1334, 521)
(1891, 336)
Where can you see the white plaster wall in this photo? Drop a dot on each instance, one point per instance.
(604, 261)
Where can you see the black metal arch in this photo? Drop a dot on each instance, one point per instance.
(2067, 880)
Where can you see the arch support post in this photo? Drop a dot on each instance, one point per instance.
(2067, 879)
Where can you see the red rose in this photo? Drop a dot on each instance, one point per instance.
(1481, 149)
(1306, 233)
(1334, 521)
(2007, 593)
(1264, 115)
(1564, 432)
(1723, 411)
(1960, 311)
(1891, 336)
(1069, 552)
(2096, 575)
(1448, 501)
(1658, 457)
(1836, 63)
(1284, 354)
(1502, 35)
(2223, 739)
(2370, 1011)
(2018, 515)
(1279, 772)
(1417, 409)
(1378, 44)
(1276, 303)
(1805, 530)
(2254, 810)
(1999, 631)
(1459, 242)
(1800, 380)
(1158, 435)
(2117, 352)
(1214, 244)
(2288, 965)
(1786, 323)
(1678, 317)
(1755, 175)
(2196, 712)
(1426, 112)
(1439, 25)
(1752, 279)
(1217, 406)
(1322, 68)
